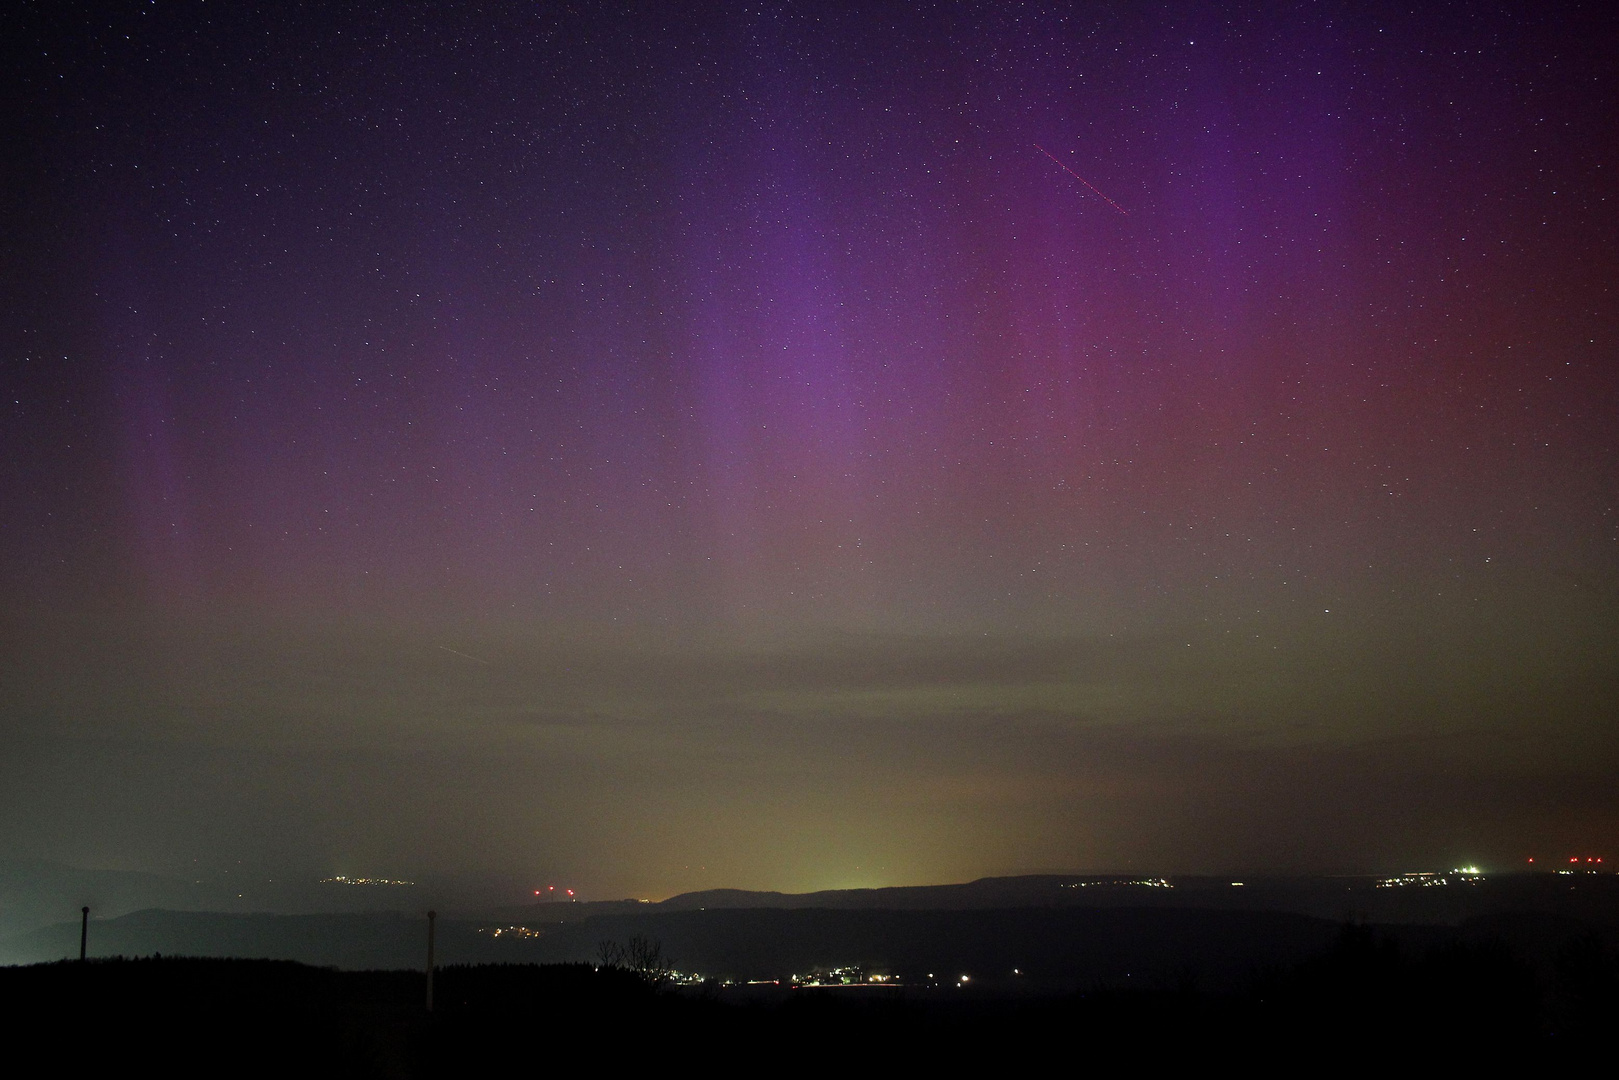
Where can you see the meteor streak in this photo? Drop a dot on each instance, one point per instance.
(464, 656)
(1082, 180)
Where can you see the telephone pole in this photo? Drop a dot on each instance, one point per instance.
(84, 931)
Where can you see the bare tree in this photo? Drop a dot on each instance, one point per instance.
(642, 955)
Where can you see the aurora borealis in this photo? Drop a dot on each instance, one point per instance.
(658, 447)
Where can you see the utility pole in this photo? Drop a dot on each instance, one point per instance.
(431, 915)
(84, 931)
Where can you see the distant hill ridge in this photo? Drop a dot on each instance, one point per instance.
(1039, 890)
(1103, 926)
(1035, 890)
(1357, 898)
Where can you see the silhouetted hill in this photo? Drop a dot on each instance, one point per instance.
(1364, 1000)
(1051, 948)
(353, 940)
(1056, 932)
(1588, 896)
(35, 893)
(1068, 946)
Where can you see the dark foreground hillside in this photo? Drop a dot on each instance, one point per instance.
(1365, 1000)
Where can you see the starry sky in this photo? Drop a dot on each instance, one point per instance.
(802, 445)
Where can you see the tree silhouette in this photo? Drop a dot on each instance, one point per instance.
(642, 955)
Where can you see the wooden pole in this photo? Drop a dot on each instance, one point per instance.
(84, 931)
(431, 915)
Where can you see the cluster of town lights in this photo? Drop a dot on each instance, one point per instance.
(842, 976)
(1424, 879)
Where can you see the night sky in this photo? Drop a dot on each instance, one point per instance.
(804, 445)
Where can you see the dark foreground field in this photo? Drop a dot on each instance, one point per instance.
(1364, 1001)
